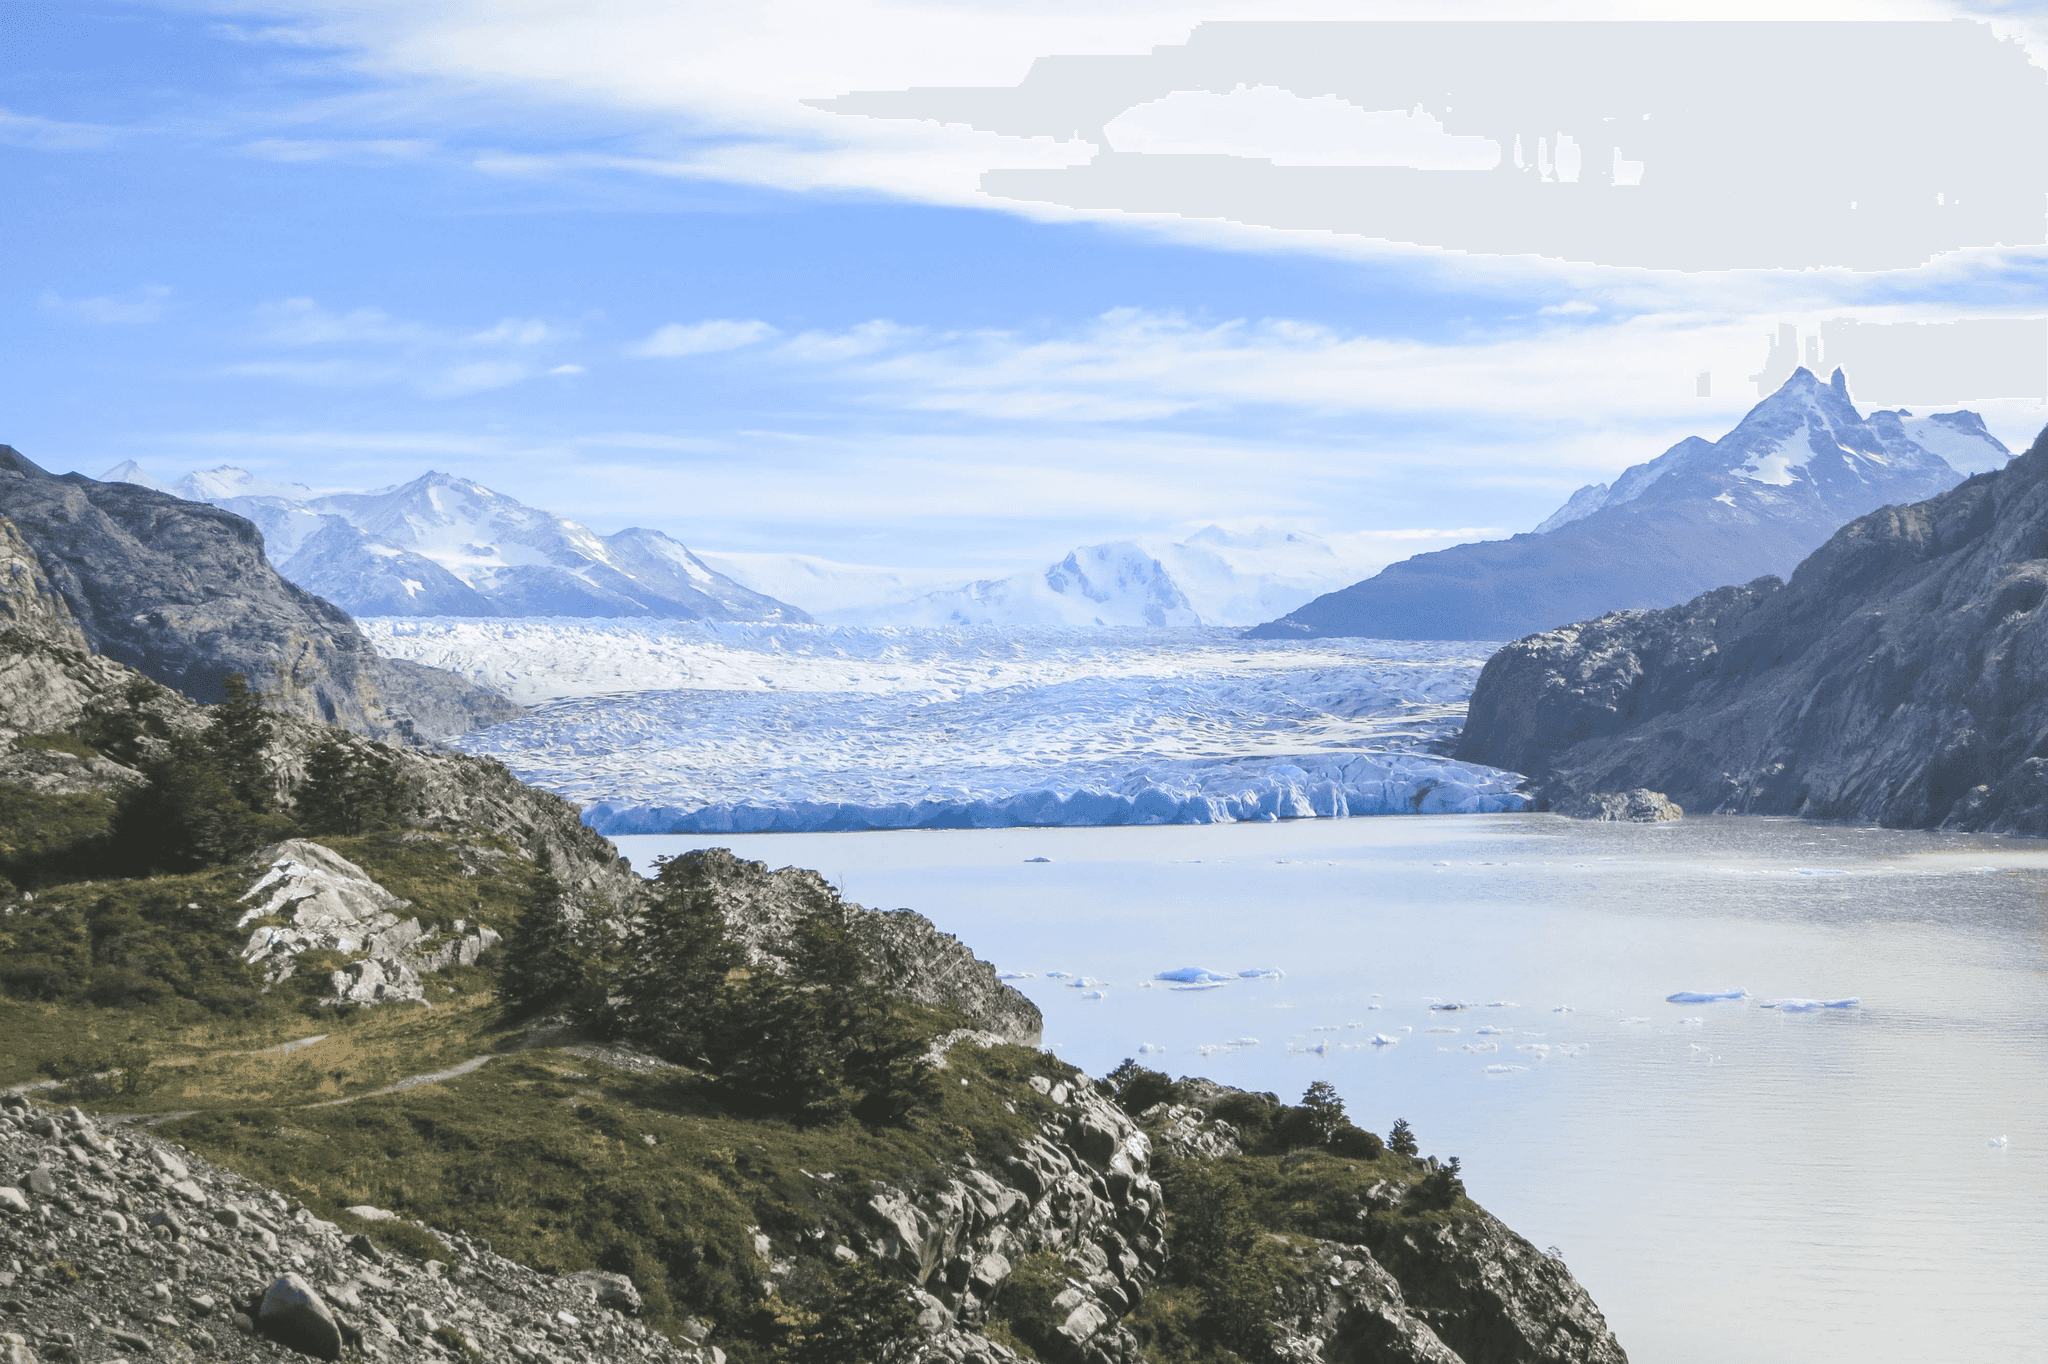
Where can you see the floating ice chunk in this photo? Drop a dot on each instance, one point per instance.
(1204, 985)
(1262, 973)
(1015, 975)
(1704, 996)
(1480, 1046)
(1443, 1029)
(1504, 1070)
(1094, 994)
(1056, 975)
(1082, 983)
(1692, 1022)
(1439, 1006)
(1535, 1049)
(1807, 1006)
(1324, 1027)
(1191, 975)
(1375, 1006)
(1503, 1004)
(1407, 1027)
(1439, 864)
(1996, 1141)
(1490, 1031)
(1574, 1048)
(1563, 1009)
(1038, 859)
(1319, 1049)
(1380, 1039)
(1527, 1033)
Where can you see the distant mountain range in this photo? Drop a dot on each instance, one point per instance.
(1214, 577)
(447, 546)
(1755, 502)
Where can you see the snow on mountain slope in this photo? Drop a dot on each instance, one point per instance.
(442, 545)
(1214, 577)
(1809, 433)
(700, 726)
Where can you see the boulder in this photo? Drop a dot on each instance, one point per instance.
(293, 1315)
(1640, 806)
(615, 1291)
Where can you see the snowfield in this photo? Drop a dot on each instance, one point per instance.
(698, 727)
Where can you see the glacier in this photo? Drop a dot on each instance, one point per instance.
(721, 727)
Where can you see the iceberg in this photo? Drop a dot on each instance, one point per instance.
(1191, 975)
(1802, 1006)
(1704, 996)
(1380, 1039)
(1262, 973)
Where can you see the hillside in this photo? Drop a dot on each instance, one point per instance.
(1802, 463)
(1896, 678)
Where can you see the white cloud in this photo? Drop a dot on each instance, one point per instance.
(702, 338)
(475, 377)
(302, 322)
(566, 369)
(49, 134)
(142, 305)
(518, 331)
(360, 151)
(1577, 307)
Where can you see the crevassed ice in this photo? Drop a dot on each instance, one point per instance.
(804, 728)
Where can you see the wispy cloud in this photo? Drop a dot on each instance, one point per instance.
(51, 135)
(702, 338)
(373, 347)
(358, 151)
(146, 304)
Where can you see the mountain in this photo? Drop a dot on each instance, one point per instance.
(181, 591)
(1754, 502)
(1900, 677)
(1214, 577)
(447, 546)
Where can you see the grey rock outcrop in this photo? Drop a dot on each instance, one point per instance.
(912, 958)
(1897, 678)
(1633, 807)
(133, 1247)
(330, 904)
(1756, 501)
(1081, 1190)
(181, 592)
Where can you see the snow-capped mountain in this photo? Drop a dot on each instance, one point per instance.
(1801, 464)
(447, 546)
(1214, 577)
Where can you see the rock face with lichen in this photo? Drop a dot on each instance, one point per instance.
(1897, 678)
(182, 592)
(912, 958)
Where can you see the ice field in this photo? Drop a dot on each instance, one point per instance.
(661, 726)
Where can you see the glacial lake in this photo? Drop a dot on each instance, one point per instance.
(1729, 1181)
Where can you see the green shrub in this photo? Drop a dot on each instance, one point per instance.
(1356, 1143)
(59, 742)
(1136, 1089)
(350, 790)
(48, 840)
(1440, 1188)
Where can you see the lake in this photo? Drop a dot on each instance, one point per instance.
(1728, 1180)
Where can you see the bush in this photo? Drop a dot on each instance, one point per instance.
(1136, 1089)
(1440, 1188)
(1251, 1114)
(103, 1072)
(1355, 1143)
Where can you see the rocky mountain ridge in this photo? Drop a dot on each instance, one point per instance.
(1896, 678)
(181, 592)
(1802, 463)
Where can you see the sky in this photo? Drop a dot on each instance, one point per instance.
(648, 263)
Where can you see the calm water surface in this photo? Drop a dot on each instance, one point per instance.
(1729, 1181)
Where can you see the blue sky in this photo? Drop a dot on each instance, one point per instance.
(599, 257)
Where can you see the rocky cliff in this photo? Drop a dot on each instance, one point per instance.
(182, 592)
(1756, 501)
(1898, 678)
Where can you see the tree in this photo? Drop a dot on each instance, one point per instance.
(1137, 1088)
(1325, 1110)
(238, 737)
(1401, 1139)
(1440, 1188)
(556, 957)
(187, 814)
(349, 789)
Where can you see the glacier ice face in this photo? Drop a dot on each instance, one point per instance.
(701, 727)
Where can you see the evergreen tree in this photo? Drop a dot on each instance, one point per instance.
(238, 737)
(1401, 1139)
(349, 789)
(187, 814)
(1325, 1111)
(556, 957)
